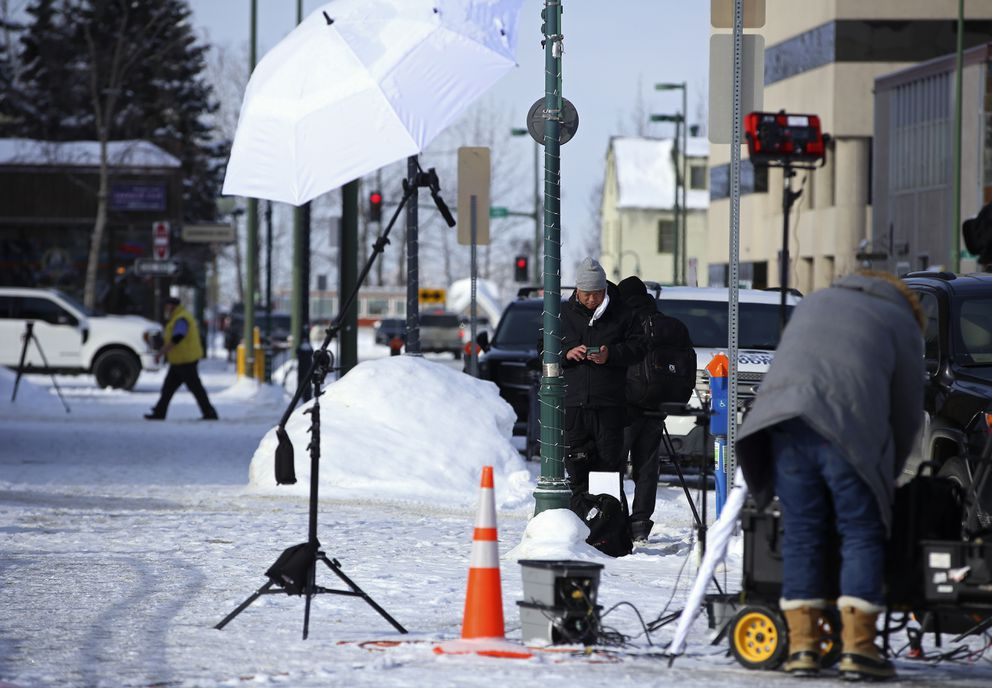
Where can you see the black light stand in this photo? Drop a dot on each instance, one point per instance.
(29, 337)
(295, 571)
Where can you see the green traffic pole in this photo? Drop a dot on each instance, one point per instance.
(251, 249)
(552, 489)
(956, 195)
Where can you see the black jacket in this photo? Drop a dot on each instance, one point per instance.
(592, 384)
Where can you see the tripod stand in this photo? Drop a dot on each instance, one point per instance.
(295, 571)
(28, 337)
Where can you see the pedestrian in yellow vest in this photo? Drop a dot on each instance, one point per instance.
(182, 350)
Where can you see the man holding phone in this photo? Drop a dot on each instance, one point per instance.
(600, 339)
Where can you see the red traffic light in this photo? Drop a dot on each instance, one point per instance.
(375, 207)
(520, 269)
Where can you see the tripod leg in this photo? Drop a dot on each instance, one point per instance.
(27, 336)
(45, 361)
(666, 438)
(310, 592)
(244, 605)
(336, 568)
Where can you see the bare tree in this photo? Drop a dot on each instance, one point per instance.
(109, 66)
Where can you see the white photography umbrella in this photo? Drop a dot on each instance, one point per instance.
(360, 84)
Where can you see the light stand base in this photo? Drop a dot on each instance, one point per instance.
(310, 590)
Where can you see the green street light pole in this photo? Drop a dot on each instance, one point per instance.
(684, 87)
(678, 272)
(537, 197)
(552, 490)
(956, 193)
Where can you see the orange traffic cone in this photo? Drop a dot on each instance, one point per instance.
(482, 623)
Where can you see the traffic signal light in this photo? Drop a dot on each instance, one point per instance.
(520, 269)
(375, 207)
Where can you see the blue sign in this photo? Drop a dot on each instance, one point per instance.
(139, 197)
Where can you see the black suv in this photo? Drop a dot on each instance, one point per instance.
(958, 355)
(510, 360)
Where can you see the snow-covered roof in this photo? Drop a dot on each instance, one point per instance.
(645, 176)
(84, 153)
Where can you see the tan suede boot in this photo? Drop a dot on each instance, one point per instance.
(804, 638)
(860, 658)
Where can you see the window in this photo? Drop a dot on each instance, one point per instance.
(707, 322)
(975, 331)
(697, 177)
(666, 236)
(42, 309)
(931, 346)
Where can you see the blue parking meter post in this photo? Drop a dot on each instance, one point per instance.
(719, 424)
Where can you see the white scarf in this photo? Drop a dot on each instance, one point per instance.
(600, 310)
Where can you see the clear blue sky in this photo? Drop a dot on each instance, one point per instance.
(615, 51)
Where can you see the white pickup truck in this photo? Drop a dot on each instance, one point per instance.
(705, 313)
(70, 340)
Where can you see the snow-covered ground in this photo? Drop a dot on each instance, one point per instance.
(123, 542)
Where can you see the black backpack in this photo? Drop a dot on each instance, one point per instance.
(609, 526)
(667, 375)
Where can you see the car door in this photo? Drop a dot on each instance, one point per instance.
(11, 329)
(57, 332)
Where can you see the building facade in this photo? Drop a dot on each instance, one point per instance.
(48, 202)
(913, 181)
(824, 61)
(639, 232)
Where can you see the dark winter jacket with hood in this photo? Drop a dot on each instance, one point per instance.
(850, 364)
(591, 384)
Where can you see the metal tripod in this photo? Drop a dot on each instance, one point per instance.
(28, 337)
(279, 576)
(287, 575)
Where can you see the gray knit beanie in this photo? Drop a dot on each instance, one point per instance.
(590, 276)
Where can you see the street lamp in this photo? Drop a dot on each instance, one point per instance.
(537, 197)
(681, 86)
(679, 206)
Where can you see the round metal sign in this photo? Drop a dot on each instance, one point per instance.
(569, 121)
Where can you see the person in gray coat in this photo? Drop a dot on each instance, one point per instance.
(831, 427)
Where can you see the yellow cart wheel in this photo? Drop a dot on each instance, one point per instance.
(758, 638)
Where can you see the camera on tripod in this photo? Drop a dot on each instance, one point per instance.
(977, 233)
(780, 138)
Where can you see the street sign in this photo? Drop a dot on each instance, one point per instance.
(431, 295)
(211, 233)
(160, 240)
(498, 211)
(157, 268)
(721, 101)
(473, 180)
(722, 14)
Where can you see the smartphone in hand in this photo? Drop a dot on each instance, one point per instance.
(592, 350)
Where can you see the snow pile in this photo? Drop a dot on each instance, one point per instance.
(403, 428)
(249, 389)
(31, 399)
(555, 534)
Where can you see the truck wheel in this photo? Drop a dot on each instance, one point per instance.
(758, 638)
(116, 369)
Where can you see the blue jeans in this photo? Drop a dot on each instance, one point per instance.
(809, 473)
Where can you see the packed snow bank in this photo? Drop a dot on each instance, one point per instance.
(31, 399)
(555, 534)
(403, 428)
(249, 389)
